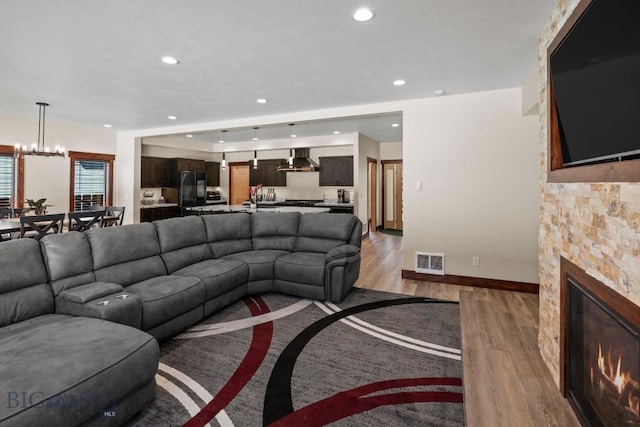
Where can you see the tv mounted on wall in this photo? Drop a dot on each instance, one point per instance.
(594, 75)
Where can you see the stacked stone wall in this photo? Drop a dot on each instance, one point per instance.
(594, 225)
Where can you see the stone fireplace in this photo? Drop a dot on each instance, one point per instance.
(600, 350)
(595, 226)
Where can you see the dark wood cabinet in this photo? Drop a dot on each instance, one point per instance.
(341, 209)
(154, 172)
(267, 173)
(156, 214)
(179, 165)
(213, 174)
(336, 171)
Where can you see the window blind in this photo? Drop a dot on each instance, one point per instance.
(90, 184)
(6, 172)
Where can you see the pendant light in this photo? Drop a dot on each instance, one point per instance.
(255, 151)
(291, 144)
(224, 160)
(38, 148)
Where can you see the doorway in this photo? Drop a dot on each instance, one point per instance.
(372, 214)
(238, 183)
(392, 194)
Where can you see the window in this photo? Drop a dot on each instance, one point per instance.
(91, 180)
(7, 165)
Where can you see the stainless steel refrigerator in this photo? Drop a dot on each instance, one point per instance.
(192, 190)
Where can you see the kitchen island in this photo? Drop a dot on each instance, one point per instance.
(199, 210)
(333, 205)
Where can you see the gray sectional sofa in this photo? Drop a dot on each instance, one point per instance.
(79, 311)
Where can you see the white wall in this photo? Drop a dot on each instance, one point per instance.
(477, 158)
(171, 153)
(391, 150)
(531, 94)
(49, 177)
(367, 147)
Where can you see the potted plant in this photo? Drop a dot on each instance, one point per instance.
(38, 207)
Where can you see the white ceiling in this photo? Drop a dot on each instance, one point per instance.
(98, 61)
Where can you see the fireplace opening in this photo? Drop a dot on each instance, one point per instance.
(603, 362)
(600, 351)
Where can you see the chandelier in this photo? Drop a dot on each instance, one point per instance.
(38, 148)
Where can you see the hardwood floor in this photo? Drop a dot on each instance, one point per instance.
(505, 380)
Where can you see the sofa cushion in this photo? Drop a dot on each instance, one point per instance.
(183, 241)
(131, 272)
(274, 230)
(321, 232)
(71, 368)
(301, 267)
(166, 297)
(260, 262)
(218, 275)
(67, 257)
(24, 292)
(228, 233)
(126, 254)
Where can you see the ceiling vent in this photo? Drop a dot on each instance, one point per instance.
(429, 263)
(302, 162)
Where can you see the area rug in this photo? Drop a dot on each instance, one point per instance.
(377, 359)
(391, 232)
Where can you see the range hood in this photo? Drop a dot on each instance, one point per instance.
(302, 162)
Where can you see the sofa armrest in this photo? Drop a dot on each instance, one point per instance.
(85, 293)
(342, 269)
(342, 252)
(101, 300)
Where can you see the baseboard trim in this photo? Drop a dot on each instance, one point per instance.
(477, 282)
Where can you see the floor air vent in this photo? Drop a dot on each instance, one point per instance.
(429, 263)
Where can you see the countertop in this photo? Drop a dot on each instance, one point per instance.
(222, 201)
(326, 203)
(171, 205)
(159, 205)
(329, 203)
(242, 208)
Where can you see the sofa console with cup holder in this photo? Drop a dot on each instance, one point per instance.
(79, 311)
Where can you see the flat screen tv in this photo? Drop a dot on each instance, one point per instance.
(595, 76)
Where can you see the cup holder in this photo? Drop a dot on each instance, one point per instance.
(123, 296)
(103, 303)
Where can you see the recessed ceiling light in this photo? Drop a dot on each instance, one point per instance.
(399, 82)
(172, 117)
(261, 101)
(255, 138)
(221, 141)
(170, 60)
(293, 136)
(336, 132)
(439, 92)
(189, 136)
(395, 125)
(363, 14)
(107, 125)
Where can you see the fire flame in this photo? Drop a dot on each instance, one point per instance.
(619, 379)
(601, 360)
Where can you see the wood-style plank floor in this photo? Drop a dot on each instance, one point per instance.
(505, 380)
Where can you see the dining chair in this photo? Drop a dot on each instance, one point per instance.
(83, 221)
(38, 226)
(115, 216)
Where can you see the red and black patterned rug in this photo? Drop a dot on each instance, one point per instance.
(377, 359)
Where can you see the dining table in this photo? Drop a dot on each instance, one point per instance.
(12, 225)
(9, 225)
